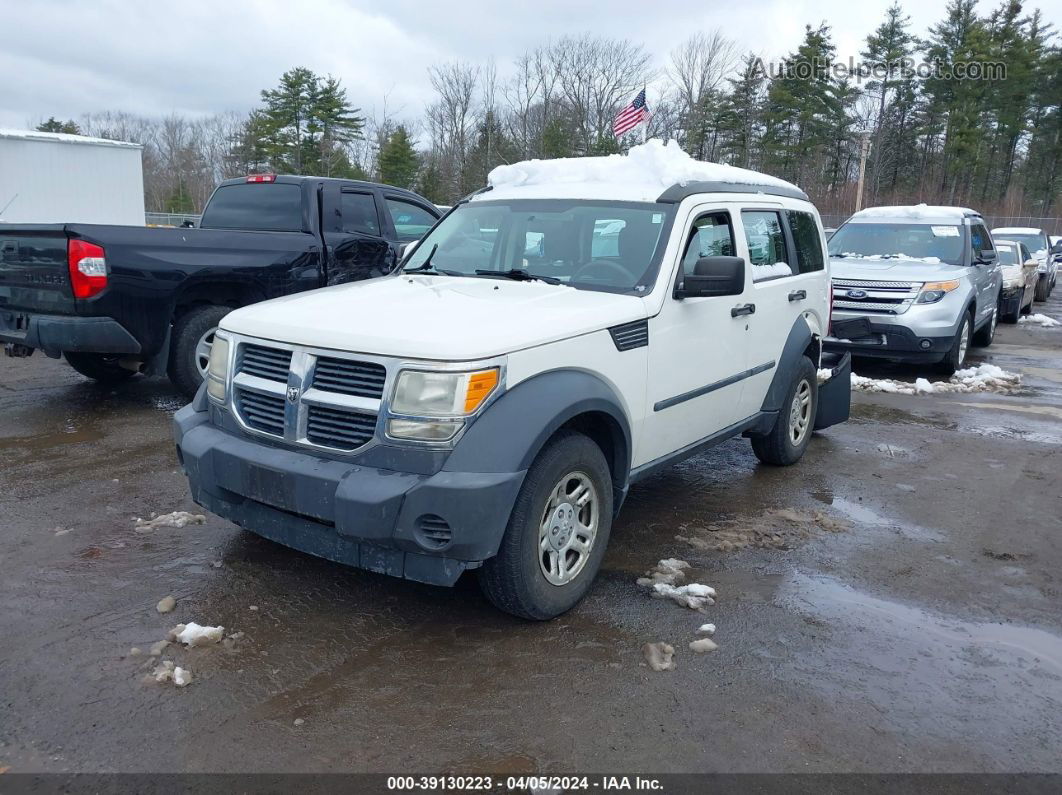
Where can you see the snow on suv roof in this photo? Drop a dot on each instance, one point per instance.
(1017, 230)
(650, 172)
(917, 213)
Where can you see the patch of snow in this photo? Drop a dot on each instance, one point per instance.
(298, 721)
(193, 634)
(135, 652)
(695, 596)
(157, 647)
(915, 212)
(702, 645)
(659, 656)
(652, 166)
(706, 629)
(37, 135)
(760, 272)
(1036, 320)
(878, 257)
(825, 374)
(669, 570)
(181, 676)
(982, 378)
(176, 519)
(166, 604)
(166, 671)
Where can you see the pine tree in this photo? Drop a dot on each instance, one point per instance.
(740, 122)
(398, 161)
(54, 125)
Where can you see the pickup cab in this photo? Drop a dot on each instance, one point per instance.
(916, 284)
(571, 330)
(117, 300)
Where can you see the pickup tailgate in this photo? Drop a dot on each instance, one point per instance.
(33, 269)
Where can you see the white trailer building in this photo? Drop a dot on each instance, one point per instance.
(57, 178)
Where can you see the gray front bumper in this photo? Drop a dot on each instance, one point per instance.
(361, 516)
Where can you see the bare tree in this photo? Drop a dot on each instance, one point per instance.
(699, 66)
(452, 118)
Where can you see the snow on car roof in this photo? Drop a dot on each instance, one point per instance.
(1017, 230)
(66, 138)
(641, 175)
(919, 213)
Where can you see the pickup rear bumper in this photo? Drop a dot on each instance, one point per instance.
(55, 334)
(428, 528)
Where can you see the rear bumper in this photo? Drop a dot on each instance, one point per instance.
(890, 341)
(57, 333)
(360, 516)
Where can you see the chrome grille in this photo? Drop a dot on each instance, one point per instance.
(305, 396)
(269, 363)
(262, 412)
(361, 379)
(890, 298)
(343, 430)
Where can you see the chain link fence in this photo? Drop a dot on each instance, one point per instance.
(170, 219)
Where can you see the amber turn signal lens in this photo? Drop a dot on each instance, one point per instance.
(480, 385)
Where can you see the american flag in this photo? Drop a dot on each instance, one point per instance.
(631, 116)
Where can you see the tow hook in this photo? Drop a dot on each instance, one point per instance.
(17, 350)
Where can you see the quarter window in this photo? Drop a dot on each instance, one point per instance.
(411, 222)
(359, 213)
(806, 240)
(766, 240)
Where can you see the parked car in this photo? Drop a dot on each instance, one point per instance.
(914, 284)
(1036, 241)
(488, 406)
(1019, 279)
(117, 300)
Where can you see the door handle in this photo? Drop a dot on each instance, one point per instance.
(798, 295)
(743, 309)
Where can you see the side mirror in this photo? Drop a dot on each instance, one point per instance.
(1031, 263)
(986, 256)
(713, 276)
(406, 248)
(187, 223)
(1056, 248)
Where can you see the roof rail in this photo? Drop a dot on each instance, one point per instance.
(683, 190)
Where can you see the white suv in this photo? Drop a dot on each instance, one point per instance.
(573, 329)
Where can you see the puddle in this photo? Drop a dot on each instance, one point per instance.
(1007, 644)
(70, 433)
(866, 516)
(1049, 411)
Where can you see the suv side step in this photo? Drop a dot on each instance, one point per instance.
(835, 394)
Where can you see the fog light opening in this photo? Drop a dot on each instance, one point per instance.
(925, 345)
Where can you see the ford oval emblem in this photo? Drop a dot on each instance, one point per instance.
(857, 294)
(293, 394)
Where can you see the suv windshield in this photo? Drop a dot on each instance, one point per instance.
(913, 241)
(591, 245)
(1037, 244)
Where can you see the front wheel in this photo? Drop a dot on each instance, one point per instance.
(102, 367)
(1043, 289)
(956, 356)
(557, 533)
(788, 439)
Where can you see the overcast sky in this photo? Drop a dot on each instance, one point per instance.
(65, 58)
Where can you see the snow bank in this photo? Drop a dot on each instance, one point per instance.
(175, 519)
(653, 163)
(915, 212)
(1039, 320)
(983, 378)
(192, 634)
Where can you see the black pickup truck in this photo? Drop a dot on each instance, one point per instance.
(117, 300)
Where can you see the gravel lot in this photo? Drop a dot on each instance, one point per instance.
(892, 603)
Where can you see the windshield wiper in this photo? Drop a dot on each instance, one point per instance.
(519, 275)
(426, 266)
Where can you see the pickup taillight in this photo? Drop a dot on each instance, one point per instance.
(88, 268)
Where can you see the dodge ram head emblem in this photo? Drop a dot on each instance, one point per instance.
(857, 294)
(293, 394)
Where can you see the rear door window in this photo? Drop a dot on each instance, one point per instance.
(270, 207)
(411, 222)
(359, 213)
(768, 253)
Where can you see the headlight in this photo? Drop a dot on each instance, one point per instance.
(934, 291)
(218, 369)
(1042, 267)
(1011, 284)
(434, 403)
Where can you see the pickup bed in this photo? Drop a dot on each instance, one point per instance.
(117, 300)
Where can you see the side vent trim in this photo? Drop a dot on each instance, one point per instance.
(630, 335)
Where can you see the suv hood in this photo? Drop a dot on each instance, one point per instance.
(446, 318)
(899, 270)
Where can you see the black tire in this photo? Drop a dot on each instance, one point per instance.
(1013, 316)
(788, 439)
(956, 355)
(1027, 310)
(1043, 289)
(189, 329)
(984, 336)
(102, 367)
(514, 580)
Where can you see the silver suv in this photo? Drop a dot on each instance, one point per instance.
(916, 284)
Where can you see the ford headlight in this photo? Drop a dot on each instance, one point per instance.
(218, 368)
(934, 291)
(434, 403)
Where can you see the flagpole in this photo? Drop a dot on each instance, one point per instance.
(645, 124)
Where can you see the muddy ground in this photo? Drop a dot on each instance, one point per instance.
(902, 615)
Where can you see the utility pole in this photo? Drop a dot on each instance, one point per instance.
(864, 150)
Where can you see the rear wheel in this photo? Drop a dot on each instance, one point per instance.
(193, 337)
(956, 355)
(557, 533)
(102, 367)
(789, 437)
